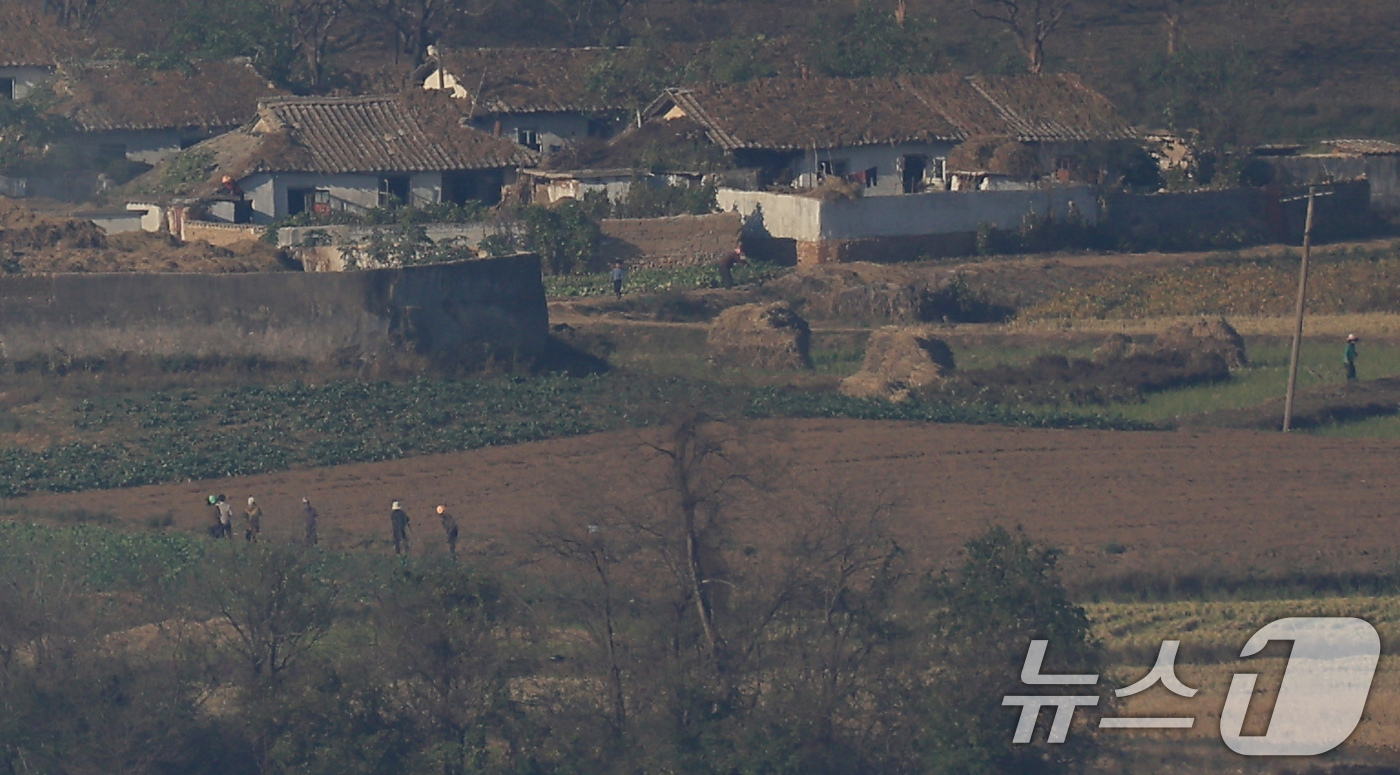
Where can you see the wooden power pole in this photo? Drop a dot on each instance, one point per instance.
(1298, 312)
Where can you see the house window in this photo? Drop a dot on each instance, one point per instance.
(309, 200)
(530, 138)
(938, 168)
(394, 191)
(7, 88)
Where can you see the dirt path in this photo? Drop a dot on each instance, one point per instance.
(1235, 501)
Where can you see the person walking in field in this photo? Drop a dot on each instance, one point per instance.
(617, 276)
(398, 520)
(252, 521)
(727, 263)
(449, 526)
(309, 513)
(225, 517)
(216, 529)
(1349, 357)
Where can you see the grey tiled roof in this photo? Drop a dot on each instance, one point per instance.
(387, 133)
(796, 113)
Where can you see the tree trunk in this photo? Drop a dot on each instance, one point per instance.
(1173, 19)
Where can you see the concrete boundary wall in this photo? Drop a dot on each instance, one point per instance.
(787, 216)
(451, 313)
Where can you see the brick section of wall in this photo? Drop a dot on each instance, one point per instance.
(682, 240)
(220, 233)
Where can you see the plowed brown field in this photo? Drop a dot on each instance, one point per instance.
(1116, 502)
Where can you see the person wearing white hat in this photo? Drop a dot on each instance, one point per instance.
(252, 521)
(398, 520)
(1349, 357)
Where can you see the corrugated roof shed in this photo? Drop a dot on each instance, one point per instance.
(529, 80)
(795, 113)
(100, 96)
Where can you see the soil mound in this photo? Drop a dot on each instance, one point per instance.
(870, 293)
(36, 243)
(834, 292)
(766, 336)
(898, 360)
(22, 229)
(1207, 335)
(1115, 348)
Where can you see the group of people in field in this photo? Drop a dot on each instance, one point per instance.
(399, 522)
(725, 264)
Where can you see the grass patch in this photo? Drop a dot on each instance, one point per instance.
(655, 280)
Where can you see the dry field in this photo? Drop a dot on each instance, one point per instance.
(1118, 503)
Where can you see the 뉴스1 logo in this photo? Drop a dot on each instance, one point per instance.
(1324, 690)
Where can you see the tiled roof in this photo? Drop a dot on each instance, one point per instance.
(1051, 108)
(415, 132)
(527, 80)
(333, 135)
(792, 113)
(101, 96)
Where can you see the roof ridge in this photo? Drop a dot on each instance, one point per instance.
(343, 100)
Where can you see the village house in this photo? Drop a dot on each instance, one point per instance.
(539, 98)
(1376, 161)
(117, 110)
(30, 50)
(328, 154)
(901, 135)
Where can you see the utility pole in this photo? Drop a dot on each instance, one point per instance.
(1298, 312)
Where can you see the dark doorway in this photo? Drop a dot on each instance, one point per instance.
(482, 186)
(7, 88)
(914, 168)
(394, 191)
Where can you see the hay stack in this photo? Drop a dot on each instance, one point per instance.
(1115, 348)
(765, 336)
(897, 361)
(1205, 336)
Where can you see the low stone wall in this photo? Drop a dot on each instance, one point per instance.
(220, 233)
(458, 313)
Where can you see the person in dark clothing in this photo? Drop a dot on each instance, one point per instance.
(727, 263)
(617, 275)
(398, 520)
(449, 526)
(230, 188)
(309, 512)
(216, 529)
(1349, 357)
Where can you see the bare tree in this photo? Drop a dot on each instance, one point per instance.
(600, 19)
(595, 551)
(313, 26)
(273, 600)
(418, 23)
(1030, 21)
(76, 14)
